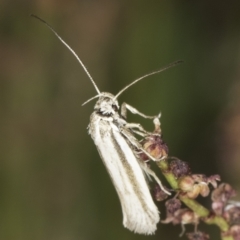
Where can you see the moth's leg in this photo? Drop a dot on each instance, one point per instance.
(149, 155)
(139, 133)
(134, 141)
(152, 173)
(131, 138)
(125, 107)
(137, 126)
(157, 125)
(142, 132)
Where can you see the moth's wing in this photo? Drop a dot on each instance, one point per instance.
(140, 214)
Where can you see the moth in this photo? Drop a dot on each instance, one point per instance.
(118, 148)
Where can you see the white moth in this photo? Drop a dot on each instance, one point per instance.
(117, 146)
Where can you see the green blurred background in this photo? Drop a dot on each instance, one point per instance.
(53, 185)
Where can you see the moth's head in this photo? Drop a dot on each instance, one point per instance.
(107, 104)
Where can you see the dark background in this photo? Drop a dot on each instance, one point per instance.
(53, 185)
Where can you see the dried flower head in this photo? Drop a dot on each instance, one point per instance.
(232, 213)
(179, 168)
(183, 216)
(220, 197)
(159, 194)
(172, 205)
(196, 184)
(193, 188)
(233, 232)
(187, 216)
(223, 193)
(155, 146)
(208, 180)
(214, 179)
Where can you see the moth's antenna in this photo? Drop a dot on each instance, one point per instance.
(147, 75)
(89, 100)
(69, 48)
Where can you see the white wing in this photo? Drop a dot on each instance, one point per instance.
(140, 214)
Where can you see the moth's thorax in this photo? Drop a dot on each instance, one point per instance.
(106, 104)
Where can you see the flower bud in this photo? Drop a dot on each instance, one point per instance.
(186, 183)
(204, 189)
(194, 192)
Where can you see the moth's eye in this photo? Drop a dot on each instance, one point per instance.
(115, 108)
